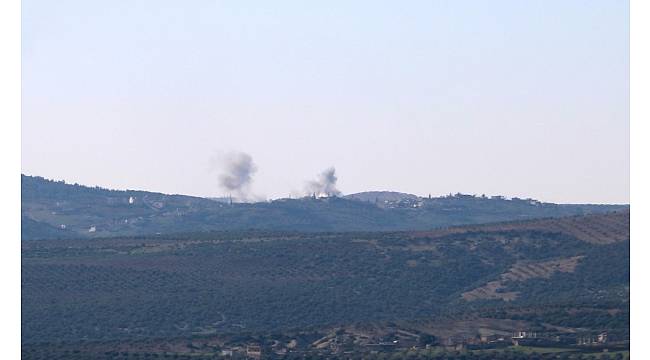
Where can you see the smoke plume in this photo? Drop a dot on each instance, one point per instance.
(237, 174)
(324, 185)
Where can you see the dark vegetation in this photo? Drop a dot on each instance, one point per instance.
(47, 205)
(165, 284)
(225, 282)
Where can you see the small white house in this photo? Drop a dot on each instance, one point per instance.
(226, 352)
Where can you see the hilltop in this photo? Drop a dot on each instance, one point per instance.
(382, 197)
(54, 209)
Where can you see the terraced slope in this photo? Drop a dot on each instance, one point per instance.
(521, 272)
(593, 228)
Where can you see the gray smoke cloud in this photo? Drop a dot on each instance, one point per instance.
(324, 185)
(237, 174)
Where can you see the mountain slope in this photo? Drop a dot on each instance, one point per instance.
(595, 228)
(49, 206)
(233, 282)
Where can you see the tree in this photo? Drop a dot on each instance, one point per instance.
(426, 339)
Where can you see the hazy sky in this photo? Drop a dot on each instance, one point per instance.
(519, 98)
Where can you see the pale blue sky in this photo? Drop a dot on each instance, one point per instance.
(520, 98)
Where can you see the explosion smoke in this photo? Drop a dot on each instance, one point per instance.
(238, 174)
(325, 185)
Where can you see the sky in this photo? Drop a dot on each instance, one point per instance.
(514, 98)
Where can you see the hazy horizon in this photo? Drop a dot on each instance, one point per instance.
(498, 98)
(296, 196)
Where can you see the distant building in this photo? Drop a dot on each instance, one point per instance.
(227, 352)
(523, 337)
(592, 339)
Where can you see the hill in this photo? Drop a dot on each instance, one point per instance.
(54, 209)
(515, 276)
